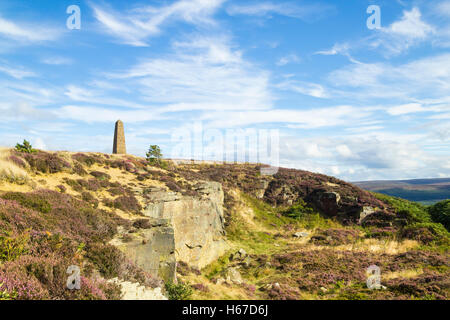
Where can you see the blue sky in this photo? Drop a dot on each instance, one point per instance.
(348, 101)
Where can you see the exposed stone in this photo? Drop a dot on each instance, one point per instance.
(233, 275)
(300, 234)
(366, 211)
(328, 202)
(151, 249)
(135, 291)
(119, 139)
(198, 222)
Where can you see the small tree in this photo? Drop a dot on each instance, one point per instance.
(25, 147)
(154, 154)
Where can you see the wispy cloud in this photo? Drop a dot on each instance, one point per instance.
(306, 88)
(201, 71)
(16, 72)
(429, 76)
(26, 32)
(136, 26)
(289, 9)
(55, 60)
(290, 58)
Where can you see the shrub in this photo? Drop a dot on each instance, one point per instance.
(61, 188)
(13, 247)
(26, 147)
(426, 232)
(154, 154)
(5, 295)
(142, 224)
(17, 161)
(127, 203)
(298, 210)
(88, 160)
(106, 258)
(178, 291)
(100, 175)
(88, 197)
(78, 169)
(440, 213)
(29, 200)
(46, 162)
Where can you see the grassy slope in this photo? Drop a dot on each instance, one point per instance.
(329, 263)
(321, 268)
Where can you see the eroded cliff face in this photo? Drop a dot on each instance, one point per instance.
(179, 228)
(197, 221)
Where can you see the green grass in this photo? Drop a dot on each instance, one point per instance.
(415, 211)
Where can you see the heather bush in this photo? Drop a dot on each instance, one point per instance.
(107, 258)
(127, 203)
(17, 161)
(116, 191)
(46, 162)
(21, 287)
(142, 224)
(88, 197)
(29, 200)
(78, 169)
(5, 295)
(74, 184)
(91, 184)
(88, 160)
(61, 188)
(100, 175)
(426, 233)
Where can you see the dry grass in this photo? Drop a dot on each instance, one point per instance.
(9, 172)
(372, 245)
(405, 274)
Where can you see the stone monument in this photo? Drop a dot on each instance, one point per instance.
(119, 139)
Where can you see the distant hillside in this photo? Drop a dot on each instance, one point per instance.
(426, 191)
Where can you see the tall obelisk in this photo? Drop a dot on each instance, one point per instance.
(119, 139)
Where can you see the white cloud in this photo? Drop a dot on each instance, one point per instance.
(137, 25)
(443, 8)
(405, 109)
(25, 32)
(404, 33)
(309, 89)
(289, 9)
(304, 119)
(428, 76)
(96, 114)
(291, 58)
(18, 73)
(410, 26)
(344, 151)
(201, 71)
(392, 156)
(338, 48)
(57, 61)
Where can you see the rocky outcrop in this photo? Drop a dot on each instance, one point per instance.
(327, 202)
(177, 228)
(197, 221)
(136, 291)
(151, 249)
